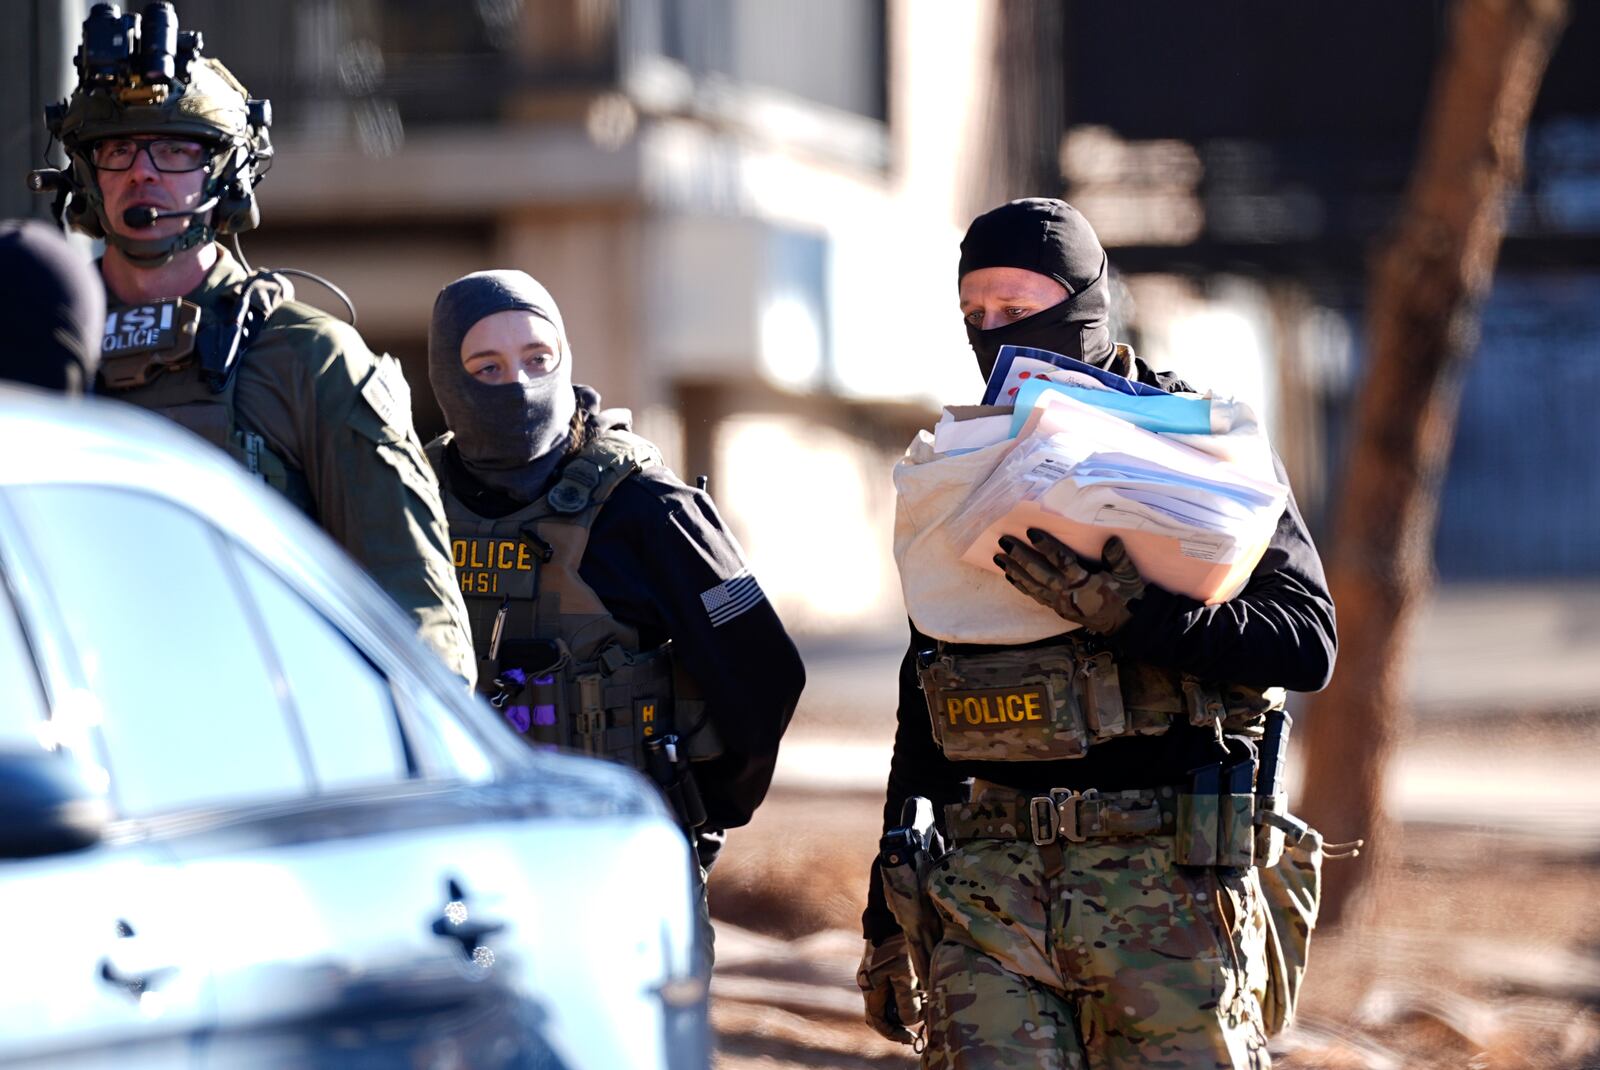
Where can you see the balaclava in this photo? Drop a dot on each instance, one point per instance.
(54, 309)
(1051, 238)
(511, 437)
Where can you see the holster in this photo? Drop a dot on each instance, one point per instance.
(905, 854)
(669, 767)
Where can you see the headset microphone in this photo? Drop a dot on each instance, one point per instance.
(145, 216)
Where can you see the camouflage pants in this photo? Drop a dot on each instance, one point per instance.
(1121, 960)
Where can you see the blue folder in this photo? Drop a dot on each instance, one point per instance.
(1158, 412)
(1002, 370)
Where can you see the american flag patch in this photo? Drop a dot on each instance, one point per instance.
(731, 597)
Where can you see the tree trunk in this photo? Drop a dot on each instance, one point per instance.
(1426, 286)
(1025, 110)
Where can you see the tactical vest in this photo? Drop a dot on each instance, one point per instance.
(560, 668)
(182, 360)
(1043, 703)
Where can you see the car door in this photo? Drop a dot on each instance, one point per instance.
(590, 877)
(358, 923)
(251, 748)
(98, 967)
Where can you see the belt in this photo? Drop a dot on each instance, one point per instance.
(997, 813)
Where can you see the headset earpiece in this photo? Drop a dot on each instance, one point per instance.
(236, 211)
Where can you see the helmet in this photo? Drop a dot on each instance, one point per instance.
(156, 82)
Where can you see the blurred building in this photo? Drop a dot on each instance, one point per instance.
(749, 211)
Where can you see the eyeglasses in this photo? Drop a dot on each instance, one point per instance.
(168, 155)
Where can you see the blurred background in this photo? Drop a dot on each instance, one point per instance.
(749, 212)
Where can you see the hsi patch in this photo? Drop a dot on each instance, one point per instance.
(732, 597)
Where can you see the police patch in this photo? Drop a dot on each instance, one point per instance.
(732, 597)
(142, 341)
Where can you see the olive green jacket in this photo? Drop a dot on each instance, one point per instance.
(339, 418)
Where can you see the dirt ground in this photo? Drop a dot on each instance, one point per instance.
(1485, 951)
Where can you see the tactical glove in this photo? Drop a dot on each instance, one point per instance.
(893, 999)
(1095, 596)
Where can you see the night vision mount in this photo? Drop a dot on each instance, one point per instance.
(145, 56)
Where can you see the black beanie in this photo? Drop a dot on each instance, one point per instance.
(54, 308)
(1051, 238)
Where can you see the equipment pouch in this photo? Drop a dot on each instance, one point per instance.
(588, 728)
(668, 766)
(1102, 697)
(1199, 819)
(528, 687)
(1236, 806)
(1292, 894)
(1006, 705)
(905, 855)
(1269, 837)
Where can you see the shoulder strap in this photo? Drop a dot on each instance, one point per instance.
(237, 322)
(607, 459)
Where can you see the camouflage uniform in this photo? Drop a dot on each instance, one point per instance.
(1099, 906)
(1102, 953)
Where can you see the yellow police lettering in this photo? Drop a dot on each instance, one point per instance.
(458, 550)
(973, 711)
(524, 562)
(648, 713)
(1030, 705)
(952, 709)
(511, 551)
(472, 555)
(1013, 707)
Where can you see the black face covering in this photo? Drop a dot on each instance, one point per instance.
(1050, 238)
(54, 309)
(511, 437)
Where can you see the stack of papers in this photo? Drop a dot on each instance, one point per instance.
(1195, 522)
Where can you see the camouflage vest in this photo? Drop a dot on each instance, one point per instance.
(561, 669)
(178, 360)
(1043, 703)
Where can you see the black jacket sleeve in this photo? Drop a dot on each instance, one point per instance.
(660, 558)
(1278, 632)
(918, 767)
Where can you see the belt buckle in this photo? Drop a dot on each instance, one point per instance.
(1042, 811)
(1066, 803)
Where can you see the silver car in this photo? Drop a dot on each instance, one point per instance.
(248, 819)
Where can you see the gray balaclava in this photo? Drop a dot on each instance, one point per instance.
(511, 437)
